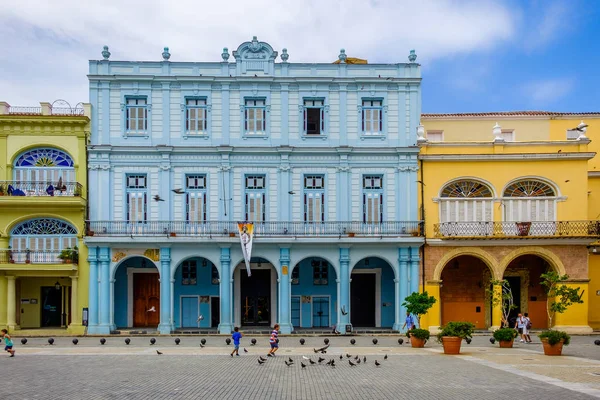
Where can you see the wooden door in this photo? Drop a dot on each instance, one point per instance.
(146, 299)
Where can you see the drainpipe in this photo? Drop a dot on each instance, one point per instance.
(423, 219)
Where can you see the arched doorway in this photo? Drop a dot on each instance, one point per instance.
(196, 294)
(372, 294)
(524, 277)
(255, 296)
(463, 292)
(313, 294)
(136, 294)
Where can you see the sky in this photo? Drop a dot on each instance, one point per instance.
(476, 55)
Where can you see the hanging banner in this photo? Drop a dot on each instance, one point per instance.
(246, 231)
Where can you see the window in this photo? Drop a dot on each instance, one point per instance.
(296, 275)
(467, 200)
(314, 198)
(195, 198)
(372, 199)
(195, 116)
(214, 275)
(435, 136)
(44, 237)
(255, 198)
(508, 135)
(314, 117)
(255, 117)
(528, 200)
(136, 198)
(45, 165)
(372, 117)
(136, 117)
(320, 272)
(189, 272)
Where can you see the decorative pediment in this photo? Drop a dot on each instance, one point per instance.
(255, 50)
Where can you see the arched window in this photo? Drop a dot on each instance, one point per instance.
(44, 165)
(527, 200)
(466, 200)
(44, 237)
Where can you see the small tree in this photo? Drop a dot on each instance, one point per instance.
(503, 298)
(418, 304)
(560, 296)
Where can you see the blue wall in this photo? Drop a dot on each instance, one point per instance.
(203, 287)
(387, 288)
(306, 287)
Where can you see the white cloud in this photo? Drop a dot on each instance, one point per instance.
(46, 44)
(547, 91)
(548, 19)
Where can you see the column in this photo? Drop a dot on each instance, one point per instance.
(285, 321)
(497, 309)
(433, 318)
(104, 312)
(75, 317)
(403, 259)
(344, 294)
(11, 305)
(414, 270)
(225, 326)
(165, 291)
(93, 289)
(398, 301)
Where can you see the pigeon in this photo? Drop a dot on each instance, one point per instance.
(358, 361)
(341, 357)
(385, 357)
(343, 310)
(290, 360)
(288, 364)
(305, 358)
(158, 352)
(356, 358)
(333, 363)
(348, 355)
(178, 191)
(261, 362)
(377, 363)
(262, 359)
(245, 351)
(351, 363)
(158, 198)
(200, 317)
(311, 361)
(303, 365)
(365, 359)
(321, 360)
(152, 309)
(329, 362)
(291, 192)
(321, 350)
(201, 345)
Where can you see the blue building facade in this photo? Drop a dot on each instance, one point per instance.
(322, 158)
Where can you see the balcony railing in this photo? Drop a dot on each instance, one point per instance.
(536, 229)
(39, 188)
(274, 229)
(8, 256)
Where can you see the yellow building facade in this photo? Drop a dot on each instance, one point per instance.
(509, 196)
(43, 206)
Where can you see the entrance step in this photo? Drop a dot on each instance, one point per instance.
(135, 332)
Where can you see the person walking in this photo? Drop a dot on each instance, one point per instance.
(273, 340)
(8, 343)
(237, 335)
(519, 325)
(409, 322)
(526, 327)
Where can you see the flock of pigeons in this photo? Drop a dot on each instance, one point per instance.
(323, 350)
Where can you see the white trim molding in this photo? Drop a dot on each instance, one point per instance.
(507, 157)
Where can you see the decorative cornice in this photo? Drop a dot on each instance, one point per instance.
(406, 168)
(507, 157)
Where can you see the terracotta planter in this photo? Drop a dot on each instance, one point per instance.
(523, 228)
(552, 349)
(416, 342)
(231, 234)
(451, 344)
(506, 344)
(172, 234)
(351, 234)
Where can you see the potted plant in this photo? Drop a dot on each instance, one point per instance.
(418, 304)
(453, 333)
(69, 255)
(505, 337)
(418, 337)
(559, 298)
(1, 190)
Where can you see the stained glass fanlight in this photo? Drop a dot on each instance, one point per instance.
(45, 157)
(44, 226)
(466, 189)
(529, 188)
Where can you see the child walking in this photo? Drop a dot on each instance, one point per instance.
(273, 341)
(237, 335)
(8, 342)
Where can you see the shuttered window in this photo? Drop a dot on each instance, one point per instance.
(195, 198)
(137, 198)
(255, 198)
(529, 200)
(314, 198)
(372, 199)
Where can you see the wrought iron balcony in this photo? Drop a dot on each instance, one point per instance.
(504, 230)
(40, 188)
(9, 256)
(273, 229)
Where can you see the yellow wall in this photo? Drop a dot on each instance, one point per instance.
(477, 130)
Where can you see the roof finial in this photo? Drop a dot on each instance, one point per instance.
(284, 55)
(497, 131)
(225, 54)
(342, 57)
(165, 54)
(412, 57)
(105, 53)
(421, 134)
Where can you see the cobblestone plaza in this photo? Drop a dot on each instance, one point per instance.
(187, 371)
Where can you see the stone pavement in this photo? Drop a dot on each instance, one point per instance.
(118, 371)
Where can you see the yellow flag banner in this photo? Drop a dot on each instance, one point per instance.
(246, 231)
